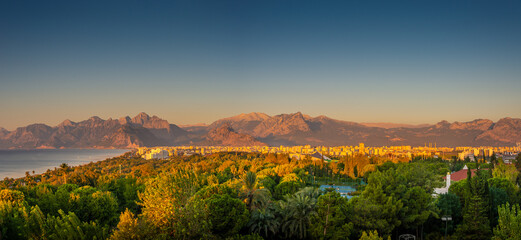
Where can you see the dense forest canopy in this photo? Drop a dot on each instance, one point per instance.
(262, 196)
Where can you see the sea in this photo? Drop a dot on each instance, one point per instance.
(14, 163)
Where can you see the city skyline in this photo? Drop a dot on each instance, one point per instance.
(192, 62)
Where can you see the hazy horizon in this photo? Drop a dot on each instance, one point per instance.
(198, 61)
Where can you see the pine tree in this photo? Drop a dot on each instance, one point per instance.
(493, 158)
(476, 224)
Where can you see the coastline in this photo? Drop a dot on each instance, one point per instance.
(16, 162)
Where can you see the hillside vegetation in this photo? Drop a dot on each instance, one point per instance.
(258, 196)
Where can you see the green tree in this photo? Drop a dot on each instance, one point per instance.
(11, 195)
(43, 196)
(127, 228)
(498, 197)
(476, 224)
(69, 226)
(62, 196)
(226, 215)
(509, 187)
(450, 205)
(417, 208)
(163, 200)
(126, 191)
(91, 204)
(372, 235)
(460, 189)
(517, 162)
(506, 171)
(131, 227)
(36, 224)
(375, 210)
(193, 221)
(493, 159)
(254, 196)
(17, 221)
(12, 221)
(267, 183)
(285, 188)
(509, 224)
(297, 211)
(264, 222)
(412, 184)
(331, 220)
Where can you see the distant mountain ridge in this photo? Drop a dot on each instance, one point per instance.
(142, 130)
(257, 129)
(394, 125)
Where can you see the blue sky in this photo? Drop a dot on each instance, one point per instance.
(198, 61)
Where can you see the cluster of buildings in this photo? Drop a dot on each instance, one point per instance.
(506, 153)
(155, 153)
(337, 152)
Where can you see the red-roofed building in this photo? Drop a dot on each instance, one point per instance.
(461, 174)
(454, 177)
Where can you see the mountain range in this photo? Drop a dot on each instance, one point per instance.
(257, 129)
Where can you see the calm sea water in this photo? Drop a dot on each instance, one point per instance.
(14, 163)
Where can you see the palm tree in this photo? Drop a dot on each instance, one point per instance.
(250, 180)
(297, 211)
(254, 197)
(264, 222)
(311, 192)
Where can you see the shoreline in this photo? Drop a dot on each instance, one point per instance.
(16, 162)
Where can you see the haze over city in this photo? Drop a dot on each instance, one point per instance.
(191, 62)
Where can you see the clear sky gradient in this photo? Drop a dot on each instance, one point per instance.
(198, 61)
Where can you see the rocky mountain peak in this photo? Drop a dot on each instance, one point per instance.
(299, 114)
(95, 119)
(66, 123)
(242, 123)
(509, 120)
(253, 116)
(282, 124)
(508, 126)
(141, 118)
(146, 121)
(3, 132)
(125, 120)
(442, 124)
(504, 130)
(478, 124)
(243, 117)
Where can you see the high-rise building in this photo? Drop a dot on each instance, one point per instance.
(361, 148)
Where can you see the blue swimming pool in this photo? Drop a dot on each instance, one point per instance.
(343, 190)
